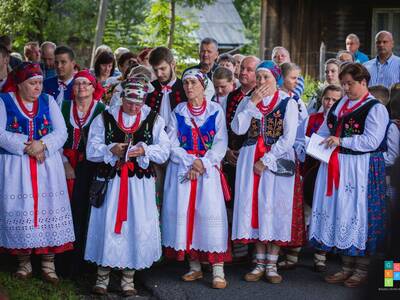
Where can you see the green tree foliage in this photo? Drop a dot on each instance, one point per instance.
(157, 29)
(121, 25)
(69, 22)
(249, 11)
(23, 19)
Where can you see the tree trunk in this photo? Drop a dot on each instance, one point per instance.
(172, 26)
(101, 22)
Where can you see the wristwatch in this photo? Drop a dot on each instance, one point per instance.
(43, 144)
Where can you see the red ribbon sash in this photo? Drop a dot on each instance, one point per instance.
(261, 149)
(74, 156)
(122, 212)
(192, 196)
(35, 192)
(333, 164)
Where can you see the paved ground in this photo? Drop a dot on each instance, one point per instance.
(163, 281)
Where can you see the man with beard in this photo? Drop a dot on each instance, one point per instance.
(168, 93)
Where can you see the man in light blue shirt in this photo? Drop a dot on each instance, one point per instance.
(353, 45)
(385, 68)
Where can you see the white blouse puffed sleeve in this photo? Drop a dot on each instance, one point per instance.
(214, 156)
(245, 112)
(285, 143)
(178, 154)
(301, 141)
(159, 151)
(9, 141)
(96, 149)
(56, 139)
(374, 131)
(393, 144)
(303, 113)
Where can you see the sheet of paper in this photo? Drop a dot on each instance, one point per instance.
(318, 151)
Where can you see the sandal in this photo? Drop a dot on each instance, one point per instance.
(219, 282)
(256, 274)
(127, 284)
(287, 265)
(356, 280)
(24, 270)
(103, 278)
(319, 263)
(272, 275)
(49, 270)
(338, 277)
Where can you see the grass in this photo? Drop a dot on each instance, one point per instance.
(36, 289)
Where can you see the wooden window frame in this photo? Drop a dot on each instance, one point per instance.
(374, 27)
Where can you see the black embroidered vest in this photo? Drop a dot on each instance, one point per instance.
(273, 126)
(235, 141)
(113, 134)
(176, 96)
(353, 124)
(66, 110)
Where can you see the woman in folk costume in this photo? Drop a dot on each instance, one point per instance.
(309, 170)
(124, 231)
(32, 188)
(348, 207)
(268, 207)
(79, 113)
(194, 220)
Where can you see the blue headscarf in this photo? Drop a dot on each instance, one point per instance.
(273, 68)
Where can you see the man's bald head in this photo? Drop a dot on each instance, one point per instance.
(247, 74)
(384, 44)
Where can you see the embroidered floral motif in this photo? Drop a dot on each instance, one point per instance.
(109, 133)
(349, 188)
(147, 135)
(182, 140)
(14, 126)
(45, 127)
(209, 138)
(351, 128)
(274, 126)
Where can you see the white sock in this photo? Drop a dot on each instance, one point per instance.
(103, 277)
(48, 265)
(319, 259)
(272, 258)
(127, 279)
(24, 264)
(194, 265)
(218, 270)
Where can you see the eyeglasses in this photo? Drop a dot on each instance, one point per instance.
(82, 83)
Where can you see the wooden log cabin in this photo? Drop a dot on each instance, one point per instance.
(301, 26)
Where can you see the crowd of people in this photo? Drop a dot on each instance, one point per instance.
(124, 163)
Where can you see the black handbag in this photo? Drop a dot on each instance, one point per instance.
(98, 190)
(284, 167)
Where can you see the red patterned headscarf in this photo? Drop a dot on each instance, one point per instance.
(22, 72)
(135, 90)
(98, 89)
